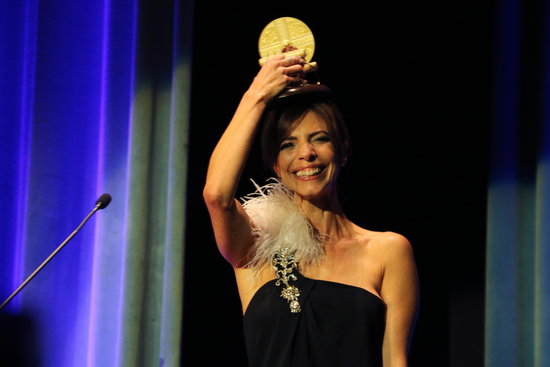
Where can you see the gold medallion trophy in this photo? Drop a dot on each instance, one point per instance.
(291, 37)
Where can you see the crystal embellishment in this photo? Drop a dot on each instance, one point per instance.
(283, 264)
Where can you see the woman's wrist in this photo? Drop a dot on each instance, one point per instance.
(255, 96)
(253, 102)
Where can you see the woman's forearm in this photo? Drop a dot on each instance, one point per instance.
(230, 154)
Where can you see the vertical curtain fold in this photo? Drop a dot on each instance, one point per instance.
(518, 245)
(16, 100)
(156, 205)
(543, 289)
(170, 337)
(542, 252)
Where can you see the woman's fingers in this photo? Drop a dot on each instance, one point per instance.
(277, 73)
(294, 60)
(291, 66)
(295, 71)
(285, 61)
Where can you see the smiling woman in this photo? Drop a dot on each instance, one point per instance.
(281, 118)
(315, 288)
(307, 158)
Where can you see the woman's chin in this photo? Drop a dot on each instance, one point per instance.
(313, 192)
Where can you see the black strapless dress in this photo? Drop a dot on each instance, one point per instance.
(338, 326)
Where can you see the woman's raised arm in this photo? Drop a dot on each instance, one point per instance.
(231, 225)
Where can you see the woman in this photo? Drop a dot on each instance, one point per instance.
(316, 289)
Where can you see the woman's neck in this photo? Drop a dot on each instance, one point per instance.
(327, 217)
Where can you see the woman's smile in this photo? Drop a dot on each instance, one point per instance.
(308, 172)
(307, 155)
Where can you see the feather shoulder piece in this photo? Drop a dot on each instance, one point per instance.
(279, 223)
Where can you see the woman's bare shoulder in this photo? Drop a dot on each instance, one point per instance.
(385, 242)
(392, 239)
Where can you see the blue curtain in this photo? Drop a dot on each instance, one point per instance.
(94, 98)
(517, 326)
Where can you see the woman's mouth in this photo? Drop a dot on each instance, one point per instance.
(308, 172)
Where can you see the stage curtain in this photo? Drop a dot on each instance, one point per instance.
(517, 326)
(94, 98)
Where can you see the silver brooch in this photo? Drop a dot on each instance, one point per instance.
(283, 264)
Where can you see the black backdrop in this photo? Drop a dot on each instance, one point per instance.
(414, 81)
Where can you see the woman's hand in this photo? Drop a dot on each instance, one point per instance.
(277, 73)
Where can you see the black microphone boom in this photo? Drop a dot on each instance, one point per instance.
(101, 203)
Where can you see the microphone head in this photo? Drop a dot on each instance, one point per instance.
(103, 201)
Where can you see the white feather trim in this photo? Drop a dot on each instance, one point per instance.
(279, 223)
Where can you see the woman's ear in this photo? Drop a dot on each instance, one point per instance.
(276, 170)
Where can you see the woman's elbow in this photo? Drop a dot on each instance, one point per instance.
(216, 199)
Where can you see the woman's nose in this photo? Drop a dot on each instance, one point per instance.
(307, 152)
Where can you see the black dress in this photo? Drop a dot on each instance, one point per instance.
(338, 325)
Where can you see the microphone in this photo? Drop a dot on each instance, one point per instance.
(101, 203)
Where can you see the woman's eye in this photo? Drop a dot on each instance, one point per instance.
(286, 145)
(322, 139)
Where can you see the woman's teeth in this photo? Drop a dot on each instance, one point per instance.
(308, 172)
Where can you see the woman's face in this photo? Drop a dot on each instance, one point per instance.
(307, 162)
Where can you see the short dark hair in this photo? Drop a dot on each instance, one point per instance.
(282, 117)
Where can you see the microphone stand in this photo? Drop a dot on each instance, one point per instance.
(102, 202)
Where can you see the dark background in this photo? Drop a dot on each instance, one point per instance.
(413, 79)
